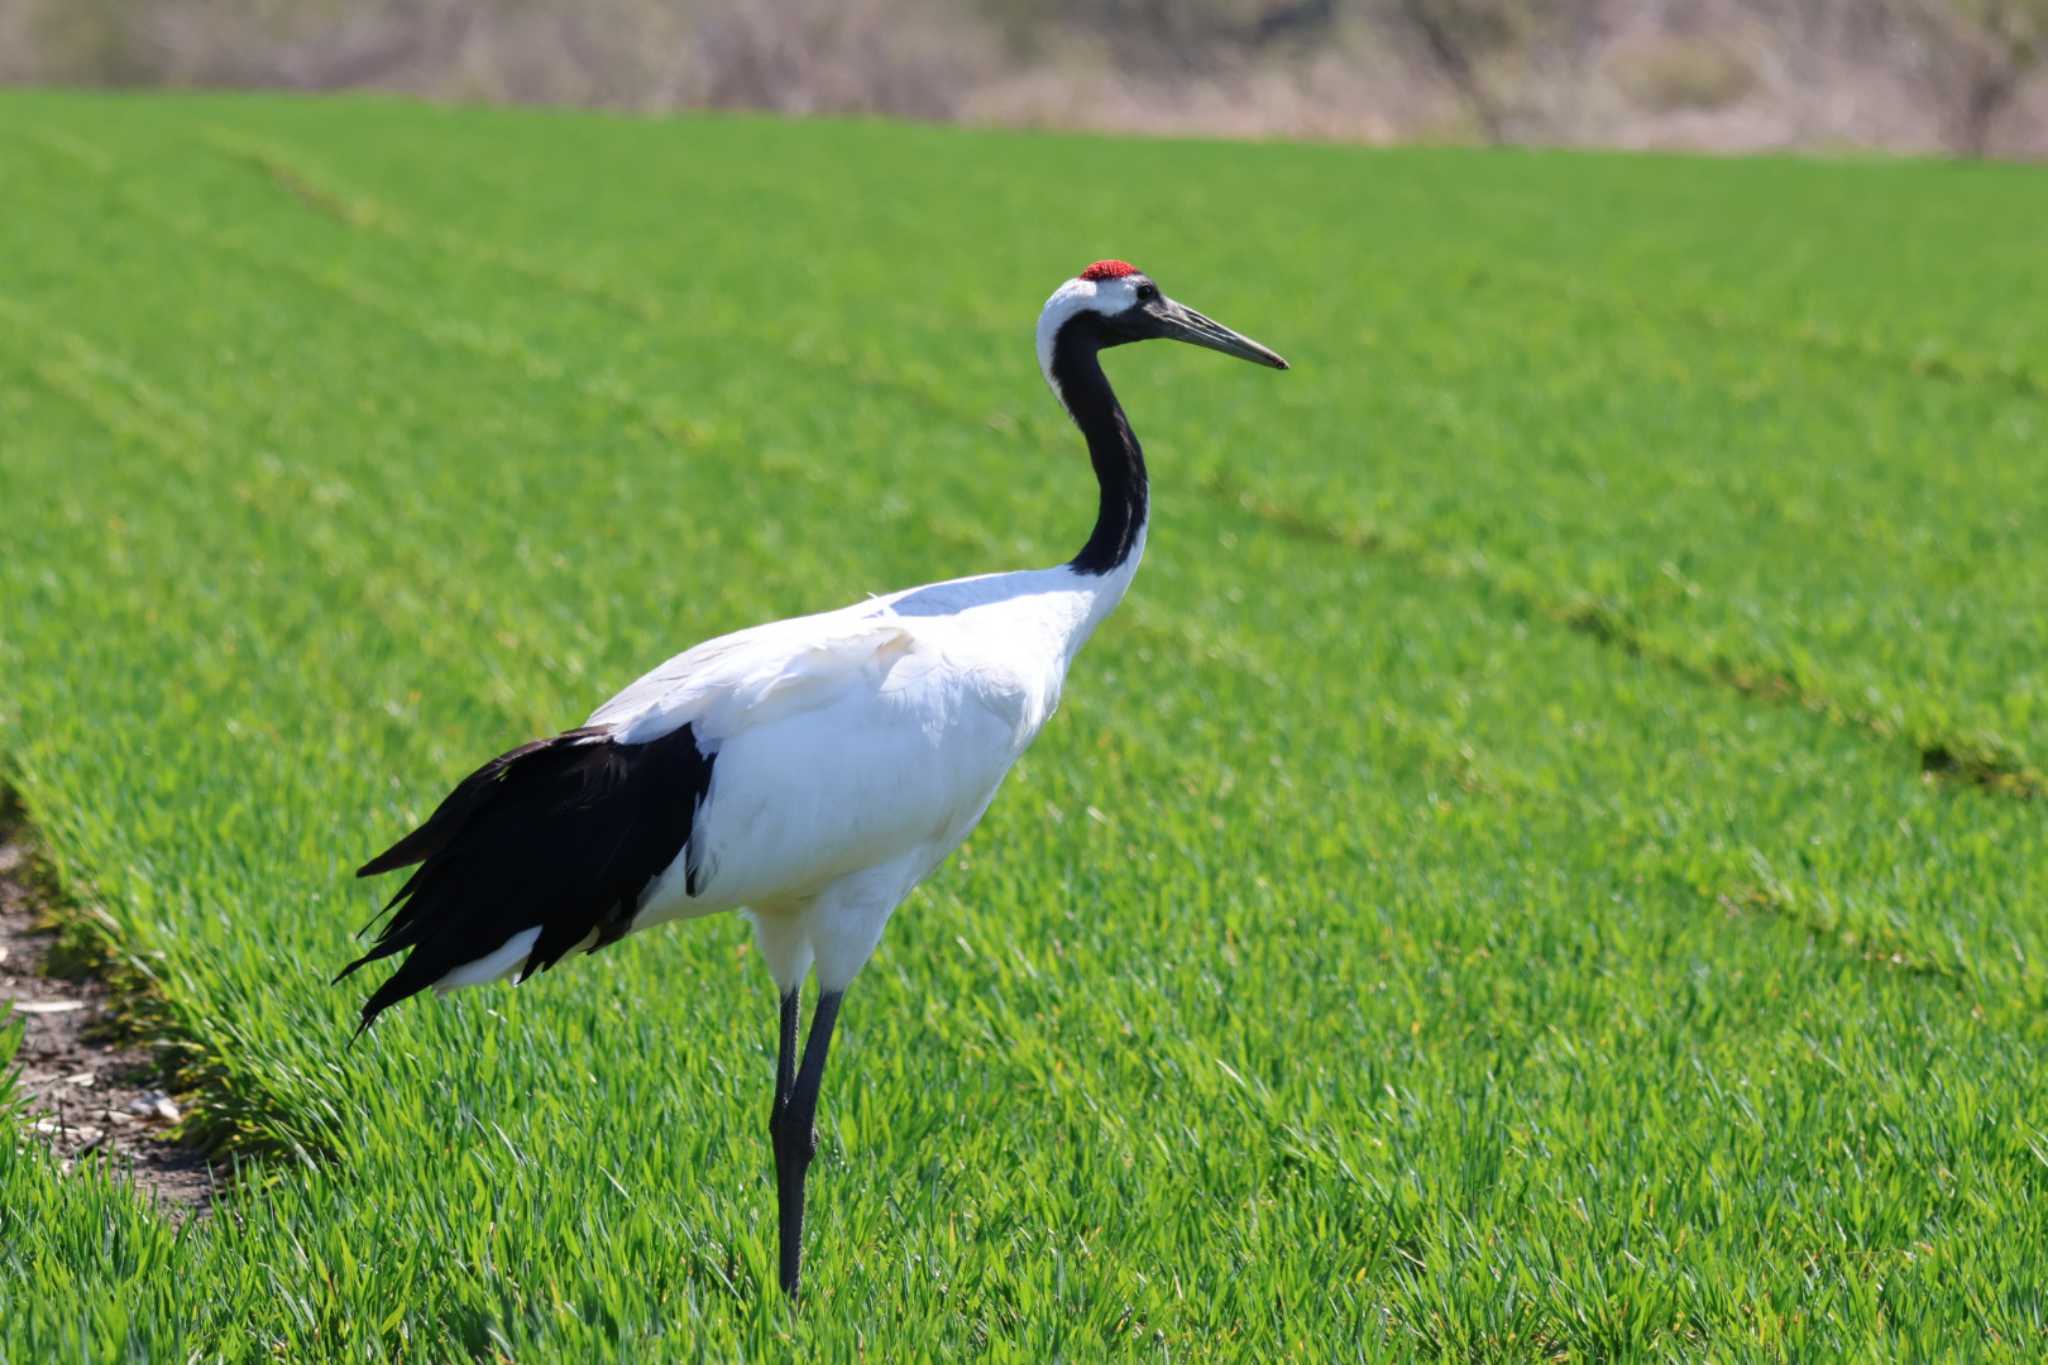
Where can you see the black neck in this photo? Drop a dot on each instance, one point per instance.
(1119, 463)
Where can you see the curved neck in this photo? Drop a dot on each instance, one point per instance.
(1076, 374)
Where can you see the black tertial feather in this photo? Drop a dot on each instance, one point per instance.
(565, 835)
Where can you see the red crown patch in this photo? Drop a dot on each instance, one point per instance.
(1109, 270)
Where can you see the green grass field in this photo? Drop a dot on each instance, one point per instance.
(1548, 862)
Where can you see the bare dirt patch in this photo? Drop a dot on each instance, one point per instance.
(88, 1090)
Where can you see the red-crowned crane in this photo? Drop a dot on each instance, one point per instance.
(808, 772)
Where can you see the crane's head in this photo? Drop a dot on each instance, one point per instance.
(1113, 302)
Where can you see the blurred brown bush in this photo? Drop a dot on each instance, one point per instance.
(1964, 76)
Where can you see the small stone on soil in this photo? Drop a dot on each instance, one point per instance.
(67, 1072)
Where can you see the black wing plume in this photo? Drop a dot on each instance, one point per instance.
(565, 835)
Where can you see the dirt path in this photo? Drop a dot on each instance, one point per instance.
(86, 1094)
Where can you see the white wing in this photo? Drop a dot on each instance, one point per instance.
(853, 739)
(755, 676)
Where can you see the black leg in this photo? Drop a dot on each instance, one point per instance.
(791, 1126)
(785, 1055)
(785, 1081)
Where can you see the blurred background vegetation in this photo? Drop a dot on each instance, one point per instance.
(1968, 77)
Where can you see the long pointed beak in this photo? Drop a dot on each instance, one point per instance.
(1182, 323)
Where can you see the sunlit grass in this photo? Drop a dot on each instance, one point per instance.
(1543, 864)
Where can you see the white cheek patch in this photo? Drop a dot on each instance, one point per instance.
(1108, 297)
(1114, 296)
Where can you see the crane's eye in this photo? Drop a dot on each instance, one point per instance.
(1147, 293)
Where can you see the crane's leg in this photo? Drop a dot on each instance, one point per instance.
(790, 1126)
(785, 1056)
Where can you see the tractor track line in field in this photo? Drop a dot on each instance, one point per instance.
(456, 334)
(318, 191)
(395, 594)
(1936, 361)
(290, 170)
(1988, 766)
(108, 391)
(286, 168)
(1755, 894)
(1466, 769)
(360, 212)
(1954, 759)
(455, 337)
(371, 215)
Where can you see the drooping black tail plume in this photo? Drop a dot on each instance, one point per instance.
(564, 836)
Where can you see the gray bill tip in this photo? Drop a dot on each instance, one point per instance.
(1185, 324)
(1247, 349)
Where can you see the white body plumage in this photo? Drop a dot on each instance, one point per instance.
(855, 749)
